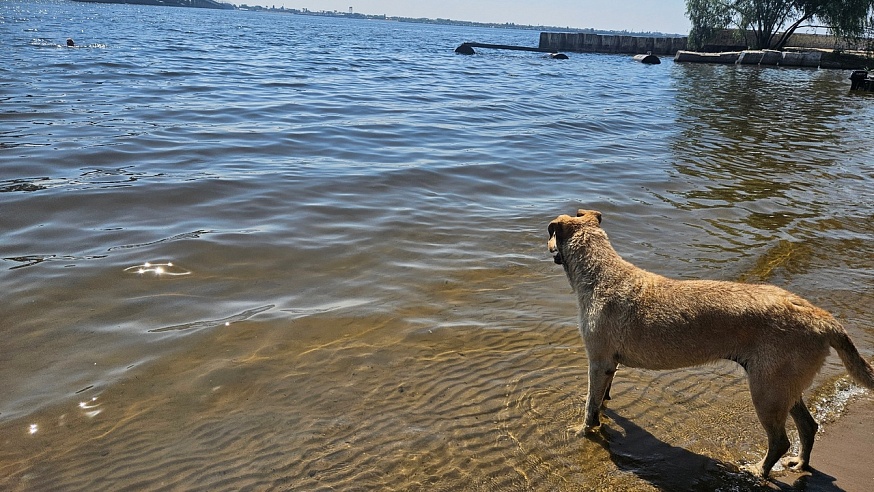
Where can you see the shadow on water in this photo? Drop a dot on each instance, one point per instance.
(668, 467)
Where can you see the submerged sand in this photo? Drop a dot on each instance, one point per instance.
(481, 410)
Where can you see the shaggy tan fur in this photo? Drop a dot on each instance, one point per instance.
(636, 318)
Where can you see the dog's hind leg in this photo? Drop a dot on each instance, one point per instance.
(772, 407)
(600, 376)
(807, 428)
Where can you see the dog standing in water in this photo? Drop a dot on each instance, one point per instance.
(639, 319)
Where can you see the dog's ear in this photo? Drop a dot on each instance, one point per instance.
(553, 227)
(582, 213)
(558, 227)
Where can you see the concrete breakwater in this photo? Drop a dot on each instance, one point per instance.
(792, 57)
(798, 55)
(810, 59)
(608, 43)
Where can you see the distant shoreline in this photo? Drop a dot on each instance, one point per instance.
(212, 4)
(200, 4)
(423, 20)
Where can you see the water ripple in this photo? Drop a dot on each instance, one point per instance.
(370, 208)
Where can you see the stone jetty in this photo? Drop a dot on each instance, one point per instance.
(608, 43)
(811, 57)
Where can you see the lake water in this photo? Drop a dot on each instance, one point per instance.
(248, 251)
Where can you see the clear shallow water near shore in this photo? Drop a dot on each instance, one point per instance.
(360, 294)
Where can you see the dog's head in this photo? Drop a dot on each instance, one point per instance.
(564, 227)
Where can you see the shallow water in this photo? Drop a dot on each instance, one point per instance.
(350, 225)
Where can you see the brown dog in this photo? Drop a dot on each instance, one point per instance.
(639, 319)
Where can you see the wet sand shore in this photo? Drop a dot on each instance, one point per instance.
(843, 455)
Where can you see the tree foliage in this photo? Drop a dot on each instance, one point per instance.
(771, 22)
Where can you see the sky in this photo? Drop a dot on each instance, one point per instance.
(667, 16)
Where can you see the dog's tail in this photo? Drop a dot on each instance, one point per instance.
(858, 368)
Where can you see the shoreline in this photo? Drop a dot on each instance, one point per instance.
(842, 455)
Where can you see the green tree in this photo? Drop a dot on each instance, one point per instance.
(772, 22)
(708, 17)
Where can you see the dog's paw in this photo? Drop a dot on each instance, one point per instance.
(577, 430)
(754, 469)
(796, 464)
(582, 430)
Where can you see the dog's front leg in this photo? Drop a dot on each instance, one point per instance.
(600, 375)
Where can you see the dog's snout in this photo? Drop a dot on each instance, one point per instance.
(552, 244)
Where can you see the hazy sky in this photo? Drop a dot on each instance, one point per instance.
(666, 16)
